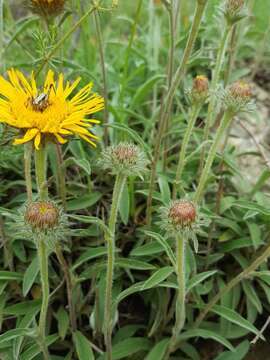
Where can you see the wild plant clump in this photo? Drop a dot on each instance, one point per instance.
(134, 214)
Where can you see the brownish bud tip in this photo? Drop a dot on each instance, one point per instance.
(182, 213)
(235, 5)
(200, 84)
(47, 8)
(42, 215)
(125, 153)
(240, 90)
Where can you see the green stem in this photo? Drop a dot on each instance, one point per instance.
(168, 101)
(180, 307)
(27, 169)
(66, 36)
(214, 84)
(41, 167)
(61, 175)
(236, 280)
(182, 155)
(212, 153)
(110, 240)
(44, 277)
(104, 77)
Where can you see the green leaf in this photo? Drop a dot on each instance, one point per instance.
(128, 347)
(124, 205)
(62, 322)
(206, 334)
(144, 90)
(157, 277)
(84, 201)
(10, 275)
(164, 189)
(14, 333)
(235, 318)
(34, 350)
(30, 276)
(83, 347)
(134, 264)
(163, 242)
(252, 295)
(147, 249)
(89, 254)
(239, 354)
(158, 351)
(198, 278)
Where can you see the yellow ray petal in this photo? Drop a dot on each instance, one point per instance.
(37, 140)
(29, 135)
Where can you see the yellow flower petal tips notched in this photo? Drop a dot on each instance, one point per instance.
(52, 112)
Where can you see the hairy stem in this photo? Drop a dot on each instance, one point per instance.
(41, 167)
(110, 240)
(182, 155)
(44, 277)
(236, 280)
(61, 175)
(180, 307)
(212, 153)
(168, 101)
(41, 170)
(103, 71)
(27, 169)
(214, 85)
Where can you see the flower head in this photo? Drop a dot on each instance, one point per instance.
(42, 215)
(51, 112)
(238, 97)
(124, 158)
(234, 10)
(181, 217)
(46, 8)
(200, 89)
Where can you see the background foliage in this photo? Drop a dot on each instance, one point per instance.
(136, 40)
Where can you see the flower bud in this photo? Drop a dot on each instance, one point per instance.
(42, 215)
(238, 97)
(124, 158)
(46, 8)
(234, 10)
(182, 213)
(200, 89)
(240, 90)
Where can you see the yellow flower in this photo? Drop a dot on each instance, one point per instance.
(51, 112)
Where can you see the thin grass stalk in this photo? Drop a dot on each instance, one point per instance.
(168, 101)
(236, 280)
(69, 286)
(65, 37)
(171, 9)
(182, 155)
(103, 71)
(110, 240)
(211, 156)
(2, 62)
(180, 306)
(214, 85)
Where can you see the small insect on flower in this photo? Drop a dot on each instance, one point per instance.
(124, 158)
(46, 8)
(51, 113)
